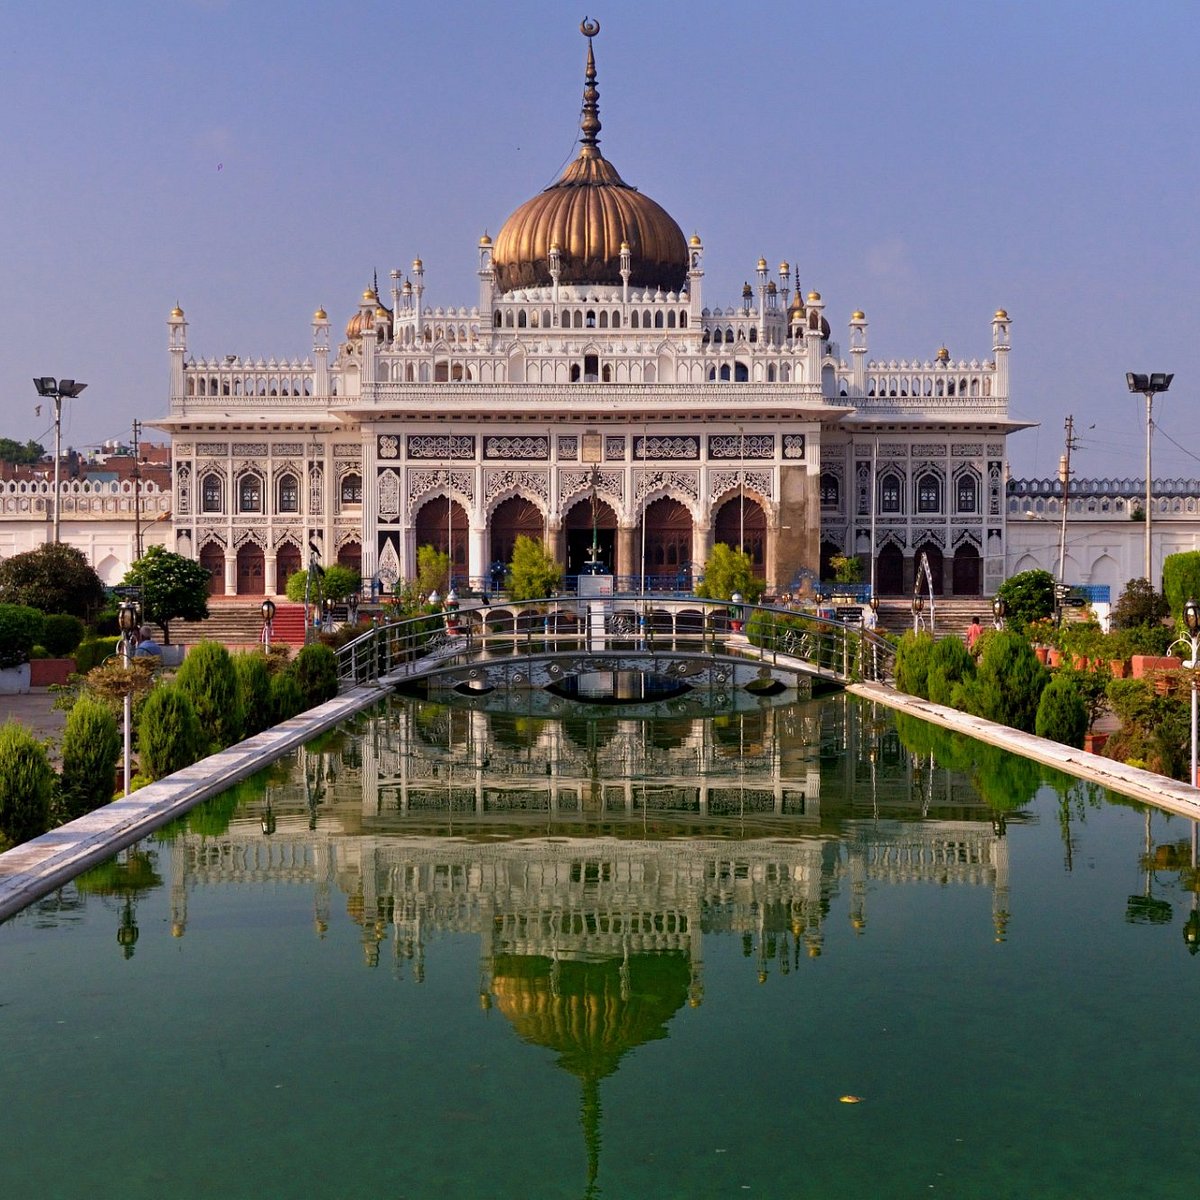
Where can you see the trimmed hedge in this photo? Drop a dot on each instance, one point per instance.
(26, 784)
(90, 749)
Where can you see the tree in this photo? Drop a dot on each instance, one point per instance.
(169, 733)
(950, 662)
(173, 588)
(254, 691)
(1181, 582)
(533, 572)
(913, 654)
(1140, 604)
(341, 581)
(1028, 596)
(1008, 683)
(1062, 714)
(90, 747)
(728, 571)
(209, 681)
(433, 571)
(846, 568)
(53, 579)
(26, 785)
(26, 454)
(20, 629)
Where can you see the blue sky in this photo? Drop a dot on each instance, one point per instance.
(926, 162)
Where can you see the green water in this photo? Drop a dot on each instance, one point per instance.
(653, 972)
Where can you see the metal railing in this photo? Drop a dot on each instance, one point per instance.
(629, 624)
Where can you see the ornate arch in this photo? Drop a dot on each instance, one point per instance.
(250, 534)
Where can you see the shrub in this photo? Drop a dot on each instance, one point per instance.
(55, 578)
(207, 678)
(254, 691)
(340, 581)
(1061, 713)
(287, 697)
(92, 652)
(533, 572)
(315, 670)
(1154, 729)
(1028, 596)
(950, 663)
(728, 571)
(1008, 683)
(913, 654)
(433, 571)
(20, 629)
(1181, 581)
(26, 784)
(90, 748)
(61, 633)
(169, 733)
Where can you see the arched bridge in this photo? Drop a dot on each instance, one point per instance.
(562, 643)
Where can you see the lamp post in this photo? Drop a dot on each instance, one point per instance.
(127, 622)
(918, 607)
(1191, 619)
(736, 616)
(55, 390)
(1149, 386)
(268, 615)
(999, 608)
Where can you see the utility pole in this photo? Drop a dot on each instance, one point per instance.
(1064, 477)
(137, 492)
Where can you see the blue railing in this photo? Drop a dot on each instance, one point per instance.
(1093, 593)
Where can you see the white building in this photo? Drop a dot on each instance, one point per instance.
(590, 391)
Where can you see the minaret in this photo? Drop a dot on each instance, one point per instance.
(858, 351)
(320, 349)
(395, 276)
(695, 281)
(367, 343)
(813, 338)
(177, 344)
(1000, 346)
(785, 283)
(487, 278)
(762, 299)
(626, 271)
(418, 270)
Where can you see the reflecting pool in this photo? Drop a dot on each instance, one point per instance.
(460, 950)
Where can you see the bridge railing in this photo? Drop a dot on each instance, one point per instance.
(621, 623)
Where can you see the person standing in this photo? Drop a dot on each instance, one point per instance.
(973, 632)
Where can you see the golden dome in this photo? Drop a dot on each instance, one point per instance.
(589, 212)
(796, 308)
(762, 264)
(785, 267)
(858, 315)
(814, 297)
(695, 240)
(176, 312)
(943, 355)
(1001, 315)
(485, 240)
(354, 326)
(369, 294)
(320, 315)
(418, 266)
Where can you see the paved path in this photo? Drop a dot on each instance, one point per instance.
(36, 712)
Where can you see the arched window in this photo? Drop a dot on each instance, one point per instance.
(590, 320)
(250, 493)
(658, 320)
(522, 319)
(288, 498)
(351, 490)
(211, 494)
(718, 337)
(616, 320)
(889, 493)
(633, 319)
(967, 494)
(741, 373)
(929, 493)
(831, 490)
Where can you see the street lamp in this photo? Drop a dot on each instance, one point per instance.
(55, 390)
(918, 607)
(999, 608)
(268, 615)
(127, 622)
(1191, 619)
(1149, 386)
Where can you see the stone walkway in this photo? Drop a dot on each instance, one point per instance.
(36, 712)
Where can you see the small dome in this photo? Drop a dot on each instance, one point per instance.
(772, 290)
(1001, 315)
(369, 294)
(485, 240)
(695, 240)
(176, 312)
(320, 315)
(814, 297)
(785, 267)
(762, 264)
(858, 315)
(943, 355)
(354, 327)
(418, 266)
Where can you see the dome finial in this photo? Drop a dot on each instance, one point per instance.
(589, 124)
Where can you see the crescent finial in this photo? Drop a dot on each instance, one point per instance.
(589, 29)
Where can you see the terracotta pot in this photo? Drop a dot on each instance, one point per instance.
(1119, 667)
(1054, 658)
(1042, 652)
(1079, 662)
(1094, 742)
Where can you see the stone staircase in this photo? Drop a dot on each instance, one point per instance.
(952, 614)
(237, 623)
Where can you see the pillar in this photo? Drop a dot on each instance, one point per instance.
(477, 563)
(230, 574)
(626, 564)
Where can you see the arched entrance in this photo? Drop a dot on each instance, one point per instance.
(350, 555)
(287, 563)
(828, 552)
(578, 526)
(251, 570)
(667, 538)
(966, 570)
(742, 524)
(889, 571)
(516, 517)
(442, 524)
(936, 567)
(212, 559)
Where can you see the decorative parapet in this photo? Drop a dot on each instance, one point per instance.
(1103, 499)
(82, 498)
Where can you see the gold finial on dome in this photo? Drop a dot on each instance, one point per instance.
(320, 315)
(176, 312)
(772, 290)
(589, 124)
(1001, 314)
(747, 290)
(624, 245)
(762, 264)
(695, 240)
(369, 294)
(943, 355)
(858, 315)
(418, 266)
(785, 267)
(485, 240)
(814, 297)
